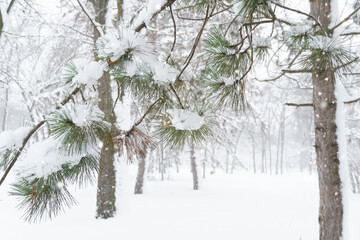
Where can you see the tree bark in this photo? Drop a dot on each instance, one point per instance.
(194, 168)
(326, 145)
(140, 176)
(105, 201)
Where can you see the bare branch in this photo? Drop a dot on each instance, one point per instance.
(174, 42)
(299, 12)
(299, 104)
(297, 71)
(345, 19)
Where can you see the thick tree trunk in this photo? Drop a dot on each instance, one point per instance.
(139, 185)
(327, 159)
(331, 208)
(194, 168)
(107, 177)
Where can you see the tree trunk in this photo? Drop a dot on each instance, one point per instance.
(282, 142)
(204, 162)
(326, 145)
(140, 176)
(194, 168)
(227, 162)
(4, 122)
(107, 178)
(162, 164)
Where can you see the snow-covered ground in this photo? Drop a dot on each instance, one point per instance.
(239, 206)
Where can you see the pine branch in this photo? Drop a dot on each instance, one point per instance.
(32, 132)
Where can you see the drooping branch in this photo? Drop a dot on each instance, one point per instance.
(32, 132)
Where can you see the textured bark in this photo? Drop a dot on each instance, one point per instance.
(194, 168)
(327, 159)
(139, 185)
(105, 200)
(331, 208)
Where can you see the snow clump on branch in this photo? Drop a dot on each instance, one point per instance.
(185, 120)
(46, 157)
(13, 139)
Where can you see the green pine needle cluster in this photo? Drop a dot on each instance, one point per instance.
(48, 196)
(221, 95)
(75, 139)
(175, 138)
(6, 157)
(251, 9)
(326, 53)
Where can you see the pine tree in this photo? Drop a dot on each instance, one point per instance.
(75, 130)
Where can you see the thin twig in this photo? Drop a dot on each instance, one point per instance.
(88, 16)
(299, 104)
(174, 42)
(297, 71)
(299, 12)
(345, 20)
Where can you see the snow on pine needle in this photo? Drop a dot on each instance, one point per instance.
(180, 126)
(132, 56)
(10, 142)
(78, 127)
(327, 53)
(82, 71)
(185, 120)
(46, 157)
(13, 139)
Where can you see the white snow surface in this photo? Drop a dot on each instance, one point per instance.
(229, 207)
(185, 120)
(88, 72)
(13, 139)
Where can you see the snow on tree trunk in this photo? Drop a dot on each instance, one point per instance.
(107, 177)
(326, 141)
